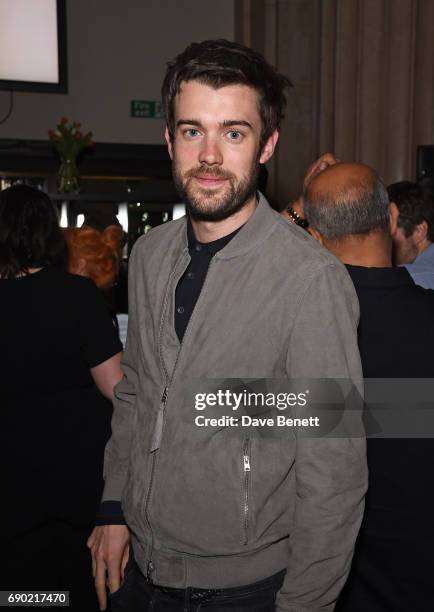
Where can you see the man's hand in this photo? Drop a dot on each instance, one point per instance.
(323, 162)
(109, 545)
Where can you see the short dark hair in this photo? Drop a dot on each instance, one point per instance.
(415, 204)
(356, 211)
(220, 62)
(30, 236)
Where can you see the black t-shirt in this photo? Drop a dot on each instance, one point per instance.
(55, 423)
(396, 330)
(191, 283)
(392, 563)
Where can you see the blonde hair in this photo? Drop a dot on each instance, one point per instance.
(95, 254)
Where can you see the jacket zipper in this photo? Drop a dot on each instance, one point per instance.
(158, 431)
(150, 566)
(246, 491)
(158, 428)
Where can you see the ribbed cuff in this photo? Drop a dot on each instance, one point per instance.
(110, 513)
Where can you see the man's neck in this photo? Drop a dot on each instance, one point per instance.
(371, 251)
(208, 231)
(422, 246)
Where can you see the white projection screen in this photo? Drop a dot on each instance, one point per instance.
(33, 45)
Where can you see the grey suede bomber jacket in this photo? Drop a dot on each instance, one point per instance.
(274, 304)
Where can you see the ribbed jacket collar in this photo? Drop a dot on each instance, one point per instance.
(253, 233)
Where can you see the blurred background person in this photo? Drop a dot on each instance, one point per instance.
(413, 236)
(97, 254)
(60, 356)
(294, 211)
(348, 210)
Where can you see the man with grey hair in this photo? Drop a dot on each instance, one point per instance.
(348, 211)
(347, 204)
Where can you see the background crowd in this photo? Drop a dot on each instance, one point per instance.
(61, 356)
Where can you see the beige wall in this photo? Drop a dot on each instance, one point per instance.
(117, 52)
(363, 72)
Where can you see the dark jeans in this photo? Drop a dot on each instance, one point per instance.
(137, 595)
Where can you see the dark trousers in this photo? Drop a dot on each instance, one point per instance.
(137, 595)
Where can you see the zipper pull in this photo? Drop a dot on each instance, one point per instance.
(159, 423)
(150, 569)
(246, 460)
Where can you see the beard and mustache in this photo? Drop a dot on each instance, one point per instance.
(205, 204)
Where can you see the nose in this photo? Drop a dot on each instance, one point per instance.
(210, 152)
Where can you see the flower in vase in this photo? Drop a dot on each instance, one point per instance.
(68, 141)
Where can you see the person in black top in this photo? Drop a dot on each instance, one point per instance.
(347, 207)
(59, 357)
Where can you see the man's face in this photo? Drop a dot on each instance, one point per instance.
(405, 248)
(216, 152)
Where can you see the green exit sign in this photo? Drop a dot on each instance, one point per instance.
(146, 109)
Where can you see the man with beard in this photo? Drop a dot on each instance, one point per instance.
(413, 237)
(218, 522)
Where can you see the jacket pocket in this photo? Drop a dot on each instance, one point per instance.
(201, 501)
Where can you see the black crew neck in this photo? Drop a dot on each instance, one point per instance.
(212, 247)
(379, 277)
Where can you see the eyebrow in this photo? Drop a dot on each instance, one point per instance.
(231, 123)
(226, 123)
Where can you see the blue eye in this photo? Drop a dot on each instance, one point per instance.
(191, 133)
(234, 135)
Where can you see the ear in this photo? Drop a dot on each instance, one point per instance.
(168, 142)
(420, 232)
(315, 233)
(393, 217)
(268, 148)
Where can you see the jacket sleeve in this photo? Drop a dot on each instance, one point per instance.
(331, 473)
(117, 452)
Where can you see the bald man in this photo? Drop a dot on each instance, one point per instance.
(347, 207)
(293, 212)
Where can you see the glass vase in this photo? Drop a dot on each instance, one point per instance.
(67, 177)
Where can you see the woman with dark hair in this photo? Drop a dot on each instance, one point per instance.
(59, 355)
(30, 237)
